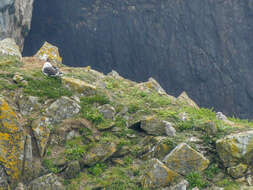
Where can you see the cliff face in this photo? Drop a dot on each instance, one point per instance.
(15, 19)
(203, 47)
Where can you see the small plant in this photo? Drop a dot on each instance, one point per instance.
(211, 171)
(50, 166)
(97, 169)
(100, 99)
(133, 108)
(196, 180)
(74, 151)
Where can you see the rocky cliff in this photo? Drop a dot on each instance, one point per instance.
(15, 19)
(89, 131)
(203, 47)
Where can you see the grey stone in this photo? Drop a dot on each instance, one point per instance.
(61, 109)
(46, 182)
(107, 110)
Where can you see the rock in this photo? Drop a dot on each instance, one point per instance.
(72, 170)
(11, 141)
(29, 104)
(210, 128)
(153, 126)
(72, 134)
(20, 186)
(184, 160)
(237, 171)
(90, 134)
(9, 47)
(183, 98)
(170, 130)
(15, 19)
(79, 86)
(221, 116)
(183, 185)
(3, 179)
(114, 74)
(46, 182)
(107, 111)
(195, 188)
(61, 109)
(156, 175)
(41, 132)
(50, 53)
(153, 84)
(98, 153)
(236, 148)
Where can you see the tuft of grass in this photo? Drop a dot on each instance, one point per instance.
(50, 165)
(196, 180)
(97, 169)
(211, 171)
(46, 87)
(99, 99)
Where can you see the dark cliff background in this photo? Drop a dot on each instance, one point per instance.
(203, 47)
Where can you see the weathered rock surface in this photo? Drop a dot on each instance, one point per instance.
(98, 153)
(46, 182)
(236, 148)
(15, 19)
(11, 141)
(61, 109)
(184, 159)
(157, 175)
(153, 126)
(9, 47)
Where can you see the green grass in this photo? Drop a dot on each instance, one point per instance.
(48, 163)
(97, 169)
(46, 87)
(99, 99)
(196, 180)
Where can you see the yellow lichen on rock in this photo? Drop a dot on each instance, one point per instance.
(11, 141)
(185, 99)
(78, 85)
(48, 51)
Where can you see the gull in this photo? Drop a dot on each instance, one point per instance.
(50, 70)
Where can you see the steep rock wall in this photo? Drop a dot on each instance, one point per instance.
(15, 19)
(204, 47)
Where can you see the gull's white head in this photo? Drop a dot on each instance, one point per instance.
(47, 64)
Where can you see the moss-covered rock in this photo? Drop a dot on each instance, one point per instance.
(61, 109)
(98, 153)
(79, 86)
(237, 171)
(41, 132)
(11, 141)
(46, 182)
(8, 46)
(153, 126)
(184, 99)
(49, 52)
(184, 160)
(157, 175)
(236, 148)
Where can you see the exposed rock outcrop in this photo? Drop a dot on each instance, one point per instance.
(15, 19)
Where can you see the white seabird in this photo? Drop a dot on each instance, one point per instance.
(50, 70)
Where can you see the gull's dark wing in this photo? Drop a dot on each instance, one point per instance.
(50, 71)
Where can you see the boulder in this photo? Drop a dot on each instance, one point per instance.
(50, 53)
(154, 85)
(72, 170)
(98, 153)
(107, 111)
(79, 86)
(153, 126)
(183, 98)
(184, 160)
(156, 175)
(236, 148)
(46, 182)
(11, 141)
(182, 185)
(29, 104)
(61, 109)
(8, 46)
(237, 171)
(41, 132)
